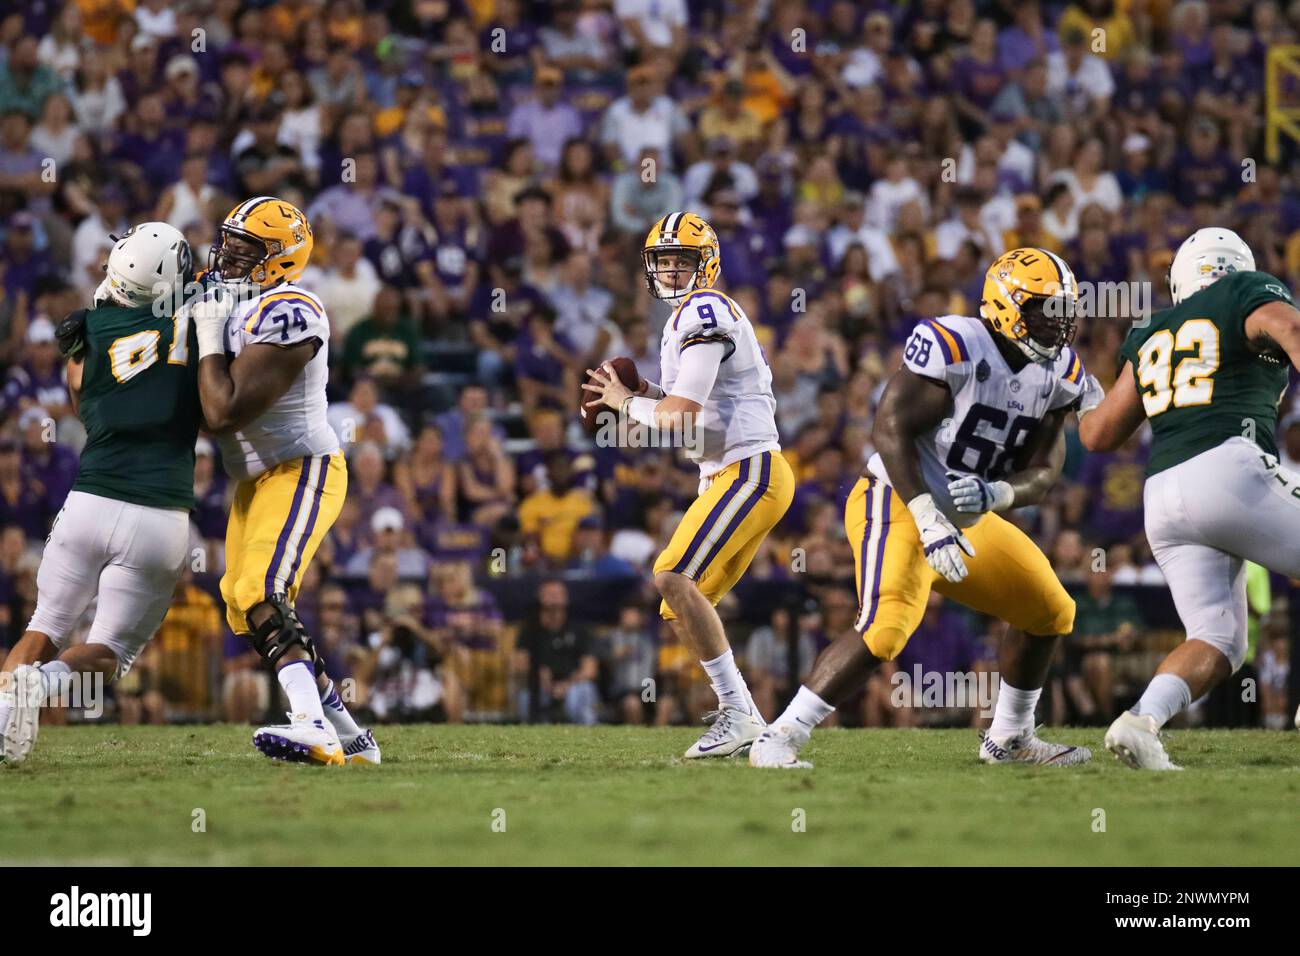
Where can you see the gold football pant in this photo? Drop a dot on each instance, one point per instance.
(1008, 578)
(277, 522)
(724, 527)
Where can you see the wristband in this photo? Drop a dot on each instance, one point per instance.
(212, 338)
(921, 504)
(639, 409)
(1004, 496)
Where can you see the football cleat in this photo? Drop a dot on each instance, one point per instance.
(302, 740)
(360, 748)
(778, 747)
(24, 699)
(1027, 747)
(731, 732)
(1134, 739)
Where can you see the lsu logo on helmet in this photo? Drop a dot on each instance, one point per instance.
(676, 237)
(264, 241)
(1029, 297)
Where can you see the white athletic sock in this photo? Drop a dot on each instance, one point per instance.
(336, 713)
(807, 709)
(728, 683)
(299, 683)
(1165, 696)
(56, 673)
(1014, 712)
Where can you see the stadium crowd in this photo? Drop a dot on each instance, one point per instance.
(480, 175)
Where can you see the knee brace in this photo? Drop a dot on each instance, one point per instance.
(281, 631)
(1231, 646)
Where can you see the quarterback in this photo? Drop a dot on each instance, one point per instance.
(123, 533)
(716, 387)
(1208, 374)
(969, 427)
(263, 364)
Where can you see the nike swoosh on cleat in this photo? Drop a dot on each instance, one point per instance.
(705, 750)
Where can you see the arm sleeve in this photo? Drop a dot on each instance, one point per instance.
(699, 369)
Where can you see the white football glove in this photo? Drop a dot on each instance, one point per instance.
(973, 495)
(942, 541)
(210, 314)
(1092, 396)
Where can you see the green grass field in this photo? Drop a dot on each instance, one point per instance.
(115, 795)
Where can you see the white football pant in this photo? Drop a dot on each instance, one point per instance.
(1209, 515)
(130, 556)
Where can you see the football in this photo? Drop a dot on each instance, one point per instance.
(589, 413)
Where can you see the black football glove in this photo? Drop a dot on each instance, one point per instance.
(71, 335)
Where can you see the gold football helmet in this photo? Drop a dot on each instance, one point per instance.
(676, 237)
(1029, 297)
(264, 241)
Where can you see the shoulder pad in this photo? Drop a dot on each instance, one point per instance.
(1070, 365)
(286, 317)
(933, 347)
(706, 312)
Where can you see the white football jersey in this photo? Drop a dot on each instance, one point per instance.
(739, 417)
(994, 409)
(295, 426)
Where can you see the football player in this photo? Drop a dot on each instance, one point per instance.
(1208, 373)
(123, 532)
(968, 428)
(263, 346)
(717, 390)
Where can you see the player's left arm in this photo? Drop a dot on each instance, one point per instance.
(1110, 423)
(75, 368)
(1275, 327)
(235, 393)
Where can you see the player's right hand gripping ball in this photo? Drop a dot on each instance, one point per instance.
(590, 412)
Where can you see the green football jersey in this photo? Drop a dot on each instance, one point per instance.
(1200, 381)
(140, 404)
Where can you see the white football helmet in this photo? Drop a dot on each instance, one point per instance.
(149, 260)
(1206, 256)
